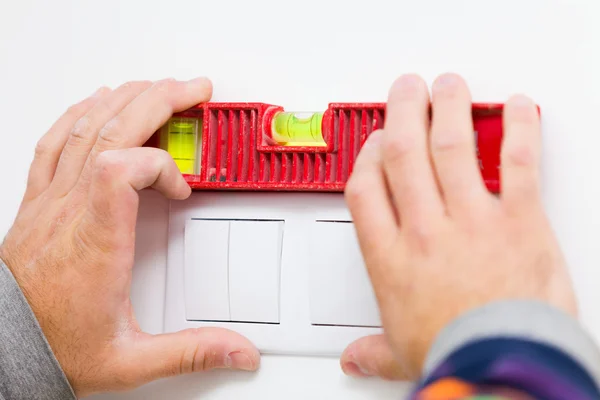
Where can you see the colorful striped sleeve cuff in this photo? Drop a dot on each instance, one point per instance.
(513, 350)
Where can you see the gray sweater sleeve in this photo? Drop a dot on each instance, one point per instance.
(28, 368)
(523, 319)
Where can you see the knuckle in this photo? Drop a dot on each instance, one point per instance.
(42, 148)
(187, 361)
(522, 199)
(521, 155)
(153, 159)
(161, 156)
(136, 85)
(451, 139)
(143, 85)
(127, 85)
(106, 108)
(110, 132)
(108, 165)
(398, 145)
(75, 110)
(80, 131)
(422, 237)
(165, 85)
(209, 360)
(197, 358)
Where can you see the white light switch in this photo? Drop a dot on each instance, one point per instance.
(268, 267)
(340, 290)
(254, 270)
(205, 260)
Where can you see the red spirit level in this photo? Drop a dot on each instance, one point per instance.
(257, 146)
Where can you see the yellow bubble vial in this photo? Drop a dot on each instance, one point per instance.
(180, 139)
(298, 129)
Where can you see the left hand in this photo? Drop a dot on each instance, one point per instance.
(71, 249)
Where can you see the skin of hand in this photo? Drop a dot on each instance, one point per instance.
(435, 241)
(71, 248)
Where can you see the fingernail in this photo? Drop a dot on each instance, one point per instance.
(521, 101)
(239, 360)
(354, 369)
(406, 81)
(446, 80)
(203, 81)
(99, 92)
(407, 88)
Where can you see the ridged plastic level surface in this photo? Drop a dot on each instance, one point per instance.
(234, 150)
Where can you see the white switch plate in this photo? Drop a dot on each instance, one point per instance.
(299, 212)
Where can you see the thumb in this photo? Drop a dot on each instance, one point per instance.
(372, 356)
(192, 350)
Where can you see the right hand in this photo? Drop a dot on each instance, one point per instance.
(436, 243)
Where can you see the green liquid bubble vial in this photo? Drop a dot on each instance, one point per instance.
(180, 139)
(298, 129)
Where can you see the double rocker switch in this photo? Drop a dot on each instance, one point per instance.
(233, 273)
(232, 270)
